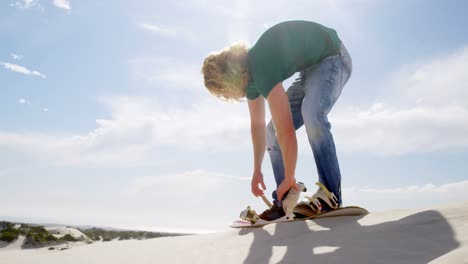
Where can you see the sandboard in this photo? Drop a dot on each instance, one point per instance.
(260, 222)
(344, 211)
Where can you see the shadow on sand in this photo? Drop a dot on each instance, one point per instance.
(418, 238)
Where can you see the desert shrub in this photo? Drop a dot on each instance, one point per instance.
(38, 229)
(6, 225)
(50, 237)
(9, 236)
(68, 238)
(124, 236)
(37, 235)
(97, 234)
(8, 232)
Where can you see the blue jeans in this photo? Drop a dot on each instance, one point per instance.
(311, 97)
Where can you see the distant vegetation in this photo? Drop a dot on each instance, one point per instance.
(97, 234)
(38, 236)
(35, 235)
(8, 232)
(69, 238)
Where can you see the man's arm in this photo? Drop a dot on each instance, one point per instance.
(258, 133)
(286, 134)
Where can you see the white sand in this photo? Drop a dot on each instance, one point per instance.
(15, 245)
(417, 236)
(58, 232)
(61, 231)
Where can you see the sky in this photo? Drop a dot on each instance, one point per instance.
(105, 119)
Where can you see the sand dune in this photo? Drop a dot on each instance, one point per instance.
(62, 231)
(437, 235)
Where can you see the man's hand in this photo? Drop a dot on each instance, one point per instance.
(257, 179)
(285, 186)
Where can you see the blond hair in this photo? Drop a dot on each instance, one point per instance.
(224, 72)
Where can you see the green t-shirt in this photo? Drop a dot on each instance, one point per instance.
(284, 49)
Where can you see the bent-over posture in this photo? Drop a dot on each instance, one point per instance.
(316, 52)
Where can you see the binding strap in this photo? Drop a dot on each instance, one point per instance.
(325, 190)
(266, 201)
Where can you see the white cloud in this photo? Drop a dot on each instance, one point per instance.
(185, 127)
(23, 101)
(439, 81)
(68, 150)
(425, 195)
(24, 4)
(189, 183)
(158, 29)
(138, 127)
(425, 109)
(45, 109)
(21, 69)
(167, 31)
(193, 190)
(150, 201)
(168, 73)
(27, 4)
(390, 130)
(63, 4)
(16, 57)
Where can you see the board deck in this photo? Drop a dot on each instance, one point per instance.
(344, 211)
(260, 222)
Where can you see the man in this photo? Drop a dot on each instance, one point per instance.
(320, 57)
